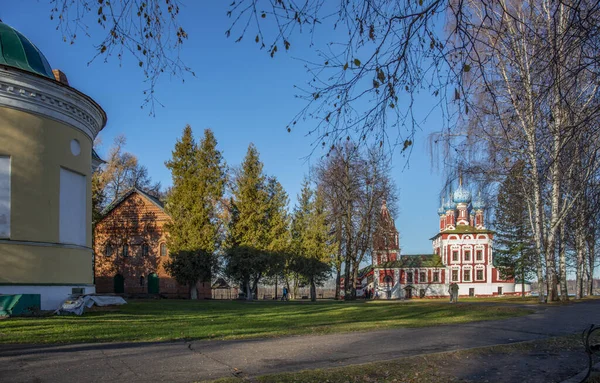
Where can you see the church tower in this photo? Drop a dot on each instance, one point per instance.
(386, 246)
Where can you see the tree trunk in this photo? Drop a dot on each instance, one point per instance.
(193, 291)
(296, 286)
(564, 294)
(313, 290)
(354, 280)
(579, 243)
(276, 287)
(338, 280)
(347, 287)
(538, 226)
(591, 260)
(248, 290)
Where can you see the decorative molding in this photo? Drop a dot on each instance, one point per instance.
(39, 95)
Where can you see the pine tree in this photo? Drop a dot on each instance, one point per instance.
(247, 242)
(312, 241)
(278, 236)
(514, 241)
(198, 174)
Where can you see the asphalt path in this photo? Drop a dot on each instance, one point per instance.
(204, 360)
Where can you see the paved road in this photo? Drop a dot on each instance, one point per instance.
(203, 360)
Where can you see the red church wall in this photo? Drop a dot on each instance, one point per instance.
(384, 273)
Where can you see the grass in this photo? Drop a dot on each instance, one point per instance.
(166, 320)
(440, 367)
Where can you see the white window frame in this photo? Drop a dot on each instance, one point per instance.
(452, 250)
(470, 274)
(470, 250)
(433, 274)
(424, 280)
(482, 249)
(73, 224)
(457, 274)
(477, 269)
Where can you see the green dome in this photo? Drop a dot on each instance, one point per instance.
(17, 51)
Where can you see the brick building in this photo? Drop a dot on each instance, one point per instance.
(462, 254)
(130, 249)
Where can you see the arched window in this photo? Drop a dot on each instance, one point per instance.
(388, 280)
(145, 250)
(163, 249)
(108, 251)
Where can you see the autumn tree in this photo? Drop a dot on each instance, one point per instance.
(122, 172)
(198, 173)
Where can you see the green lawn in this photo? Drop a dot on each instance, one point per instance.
(160, 320)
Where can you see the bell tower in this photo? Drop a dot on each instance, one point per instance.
(386, 245)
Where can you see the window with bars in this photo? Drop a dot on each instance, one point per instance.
(479, 255)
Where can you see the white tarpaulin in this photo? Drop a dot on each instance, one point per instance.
(78, 305)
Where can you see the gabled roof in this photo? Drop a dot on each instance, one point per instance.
(126, 195)
(220, 283)
(364, 271)
(463, 229)
(414, 260)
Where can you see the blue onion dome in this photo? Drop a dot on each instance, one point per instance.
(441, 209)
(478, 204)
(450, 205)
(462, 195)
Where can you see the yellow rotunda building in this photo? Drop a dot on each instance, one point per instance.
(46, 134)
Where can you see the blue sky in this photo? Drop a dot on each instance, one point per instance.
(239, 92)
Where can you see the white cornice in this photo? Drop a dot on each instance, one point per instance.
(42, 96)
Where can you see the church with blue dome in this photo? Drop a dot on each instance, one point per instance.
(462, 254)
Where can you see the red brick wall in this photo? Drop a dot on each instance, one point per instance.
(134, 222)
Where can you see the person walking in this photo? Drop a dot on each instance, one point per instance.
(284, 296)
(454, 289)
